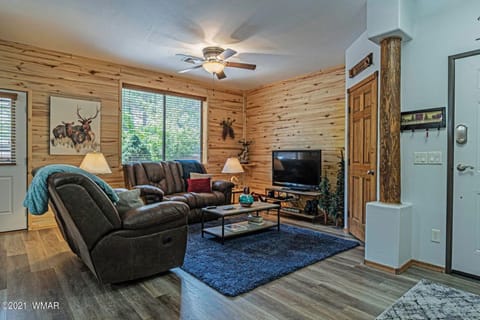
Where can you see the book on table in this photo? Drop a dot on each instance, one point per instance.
(255, 219)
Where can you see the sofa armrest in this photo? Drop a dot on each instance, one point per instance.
(156, 214)
(222, 185)
(150, 193)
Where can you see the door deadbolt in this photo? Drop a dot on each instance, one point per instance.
(461, 131)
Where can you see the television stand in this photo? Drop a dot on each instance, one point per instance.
(296, 189)
(294, 202)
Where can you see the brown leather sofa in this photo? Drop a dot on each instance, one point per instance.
(144, 241)
(165, 181)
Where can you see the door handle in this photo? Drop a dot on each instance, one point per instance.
(463, 167)
(371, 172)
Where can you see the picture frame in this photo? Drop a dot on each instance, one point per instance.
(74, 126)
(423, 119)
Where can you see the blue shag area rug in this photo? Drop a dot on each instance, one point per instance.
(246, 262)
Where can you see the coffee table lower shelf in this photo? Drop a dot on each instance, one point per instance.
(243, 228)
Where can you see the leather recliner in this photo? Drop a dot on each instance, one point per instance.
(163, 180)
(144, 241)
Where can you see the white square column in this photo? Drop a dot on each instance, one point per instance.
(388, 234)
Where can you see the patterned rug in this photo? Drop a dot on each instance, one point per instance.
(247, 262)
(429, 300)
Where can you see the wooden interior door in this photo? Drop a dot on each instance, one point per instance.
(362, 164)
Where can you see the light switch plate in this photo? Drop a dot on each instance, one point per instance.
(420, 157)
(435, 157)
(435, 235)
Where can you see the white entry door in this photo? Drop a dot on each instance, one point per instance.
(13, 155)
(466, 176)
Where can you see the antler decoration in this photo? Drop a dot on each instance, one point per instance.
(227, 128)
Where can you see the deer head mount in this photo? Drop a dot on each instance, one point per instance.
(227, 128)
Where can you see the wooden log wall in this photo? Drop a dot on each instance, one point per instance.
(46, 73)
(390, 177)
(307, 112)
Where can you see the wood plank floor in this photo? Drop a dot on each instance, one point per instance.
(38, 266)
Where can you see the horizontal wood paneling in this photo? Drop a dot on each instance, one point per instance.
(45, 73)
(306, 112)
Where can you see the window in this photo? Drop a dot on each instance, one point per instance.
(7, 128)
(160, 126)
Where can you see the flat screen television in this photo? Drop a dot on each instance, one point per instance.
(297, 169)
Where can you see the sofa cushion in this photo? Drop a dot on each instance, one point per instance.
(184, 197)
(194, 175)
(204, 199)
(129, 199)
(199, 185)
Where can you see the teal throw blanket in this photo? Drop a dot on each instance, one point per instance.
(36, 199)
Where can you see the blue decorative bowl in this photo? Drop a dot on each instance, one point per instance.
(246, 200)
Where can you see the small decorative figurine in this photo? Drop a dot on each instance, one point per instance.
(243, 155)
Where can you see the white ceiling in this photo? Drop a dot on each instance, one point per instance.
(284, 38)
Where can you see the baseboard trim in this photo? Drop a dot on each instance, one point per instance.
(428, 266)
(381, 267)
(405, 266)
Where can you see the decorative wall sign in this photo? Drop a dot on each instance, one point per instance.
(423, 119)
(74, 126)
(362, 65)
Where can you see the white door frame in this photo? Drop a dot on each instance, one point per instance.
(450, 155)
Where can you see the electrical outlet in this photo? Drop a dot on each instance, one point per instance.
(436, 235)
(420, 157)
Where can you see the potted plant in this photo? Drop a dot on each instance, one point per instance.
(337, 199)
(326, 195)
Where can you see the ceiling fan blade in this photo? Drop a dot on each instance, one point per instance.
(241, 65)
(221, 75)
(189, 69)
(227, 53)
(190, 59)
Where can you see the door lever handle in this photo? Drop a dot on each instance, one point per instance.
(463, 167)
(370, 172)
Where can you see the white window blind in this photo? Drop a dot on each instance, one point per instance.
(7, 129)
(160, 126)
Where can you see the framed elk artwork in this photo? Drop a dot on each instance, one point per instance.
(74, 126)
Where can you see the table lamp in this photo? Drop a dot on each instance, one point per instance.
(232, 165)
(95, 162)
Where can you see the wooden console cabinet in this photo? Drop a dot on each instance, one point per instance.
(293, 202)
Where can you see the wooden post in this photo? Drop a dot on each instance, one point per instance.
(390, 120)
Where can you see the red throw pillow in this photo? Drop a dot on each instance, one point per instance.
(199, 185)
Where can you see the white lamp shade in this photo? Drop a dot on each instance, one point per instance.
(95, 162)
(232, 165)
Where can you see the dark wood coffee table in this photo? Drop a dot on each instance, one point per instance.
(239, 228)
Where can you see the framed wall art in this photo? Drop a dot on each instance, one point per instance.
(423, 119)
(74, 126)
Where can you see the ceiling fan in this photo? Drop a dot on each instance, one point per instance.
(214, 61)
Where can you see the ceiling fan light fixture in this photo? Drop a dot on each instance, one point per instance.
(213, 66)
